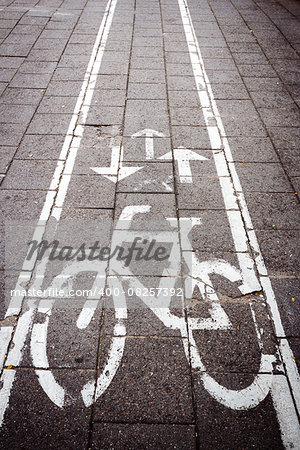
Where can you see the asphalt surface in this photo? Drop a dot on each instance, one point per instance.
(168, 120)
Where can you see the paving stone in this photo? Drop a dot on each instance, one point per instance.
(250, 58)
(147, 119)
(252, 149)
(105, 115)
(278, 117)
(253, 177)
(6, 156)
(10, 62)
(153, 177)
(29, 174)
(190, 137)
(111, 82)
(57, 105)
(284, 137)
(138, 435)
(257, 426)
(229, 91)
(40, 147)
(6, 75)
(109, 97)
(147, 91)
(161, 206)
(140, 62)
(90, 191)
(274, 211)
(49, 124)
(261, 70)
(240, 118)
(15, 114)
(135, 150)
(213, 234)
(272, 100)
(146, 76)
(15, 49)
(44, 414)
(263, 84)
(291, 161)
(237, 349)
(188, 116)
(70, 347)
(156, 388)
(11, 134)
(154, 52)
(64, 88)
(44, 55)
(203, 193)
(38, 67)
(280, 251)
(287, 293)
(16, 96)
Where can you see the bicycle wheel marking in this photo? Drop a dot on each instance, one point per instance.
(217, 135)
(52, 205)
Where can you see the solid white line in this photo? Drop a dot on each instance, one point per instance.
(60, 181)
(217, 134)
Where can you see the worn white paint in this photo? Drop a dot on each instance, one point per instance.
(60, 182)
(149, 135)
(183, 156)
(116, 171)
(218, 139)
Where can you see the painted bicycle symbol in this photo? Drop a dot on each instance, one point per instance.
(199, 274)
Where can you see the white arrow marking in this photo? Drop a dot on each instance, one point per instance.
(183, 157)
(149, 134)
(112, 172)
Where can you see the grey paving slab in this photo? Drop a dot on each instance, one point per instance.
(254, 427)
(20, 96)
(57, 105)
(238, 350)
(11, 134)
(29, 174)
(70, 347)
(141, 395)
(105, 115)
(240, 118)
(138, 435)
(190, 137)
(45, 415)
(135, 148)
(49, 124)
(284, 137)
(252, 149)
(6, 156)
(228, 91)
(90, 191)
(287, 291)
(253, 179)
(37, 81)
(212, 234)
(153, 177)
(280, 251)
(277, 211)
(40, 147)
(15, 114)
(204, 193)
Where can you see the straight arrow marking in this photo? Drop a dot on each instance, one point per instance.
(111, 172)
(183, 157)
(149, 134)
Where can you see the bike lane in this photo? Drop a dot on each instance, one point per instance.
(165, 167)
